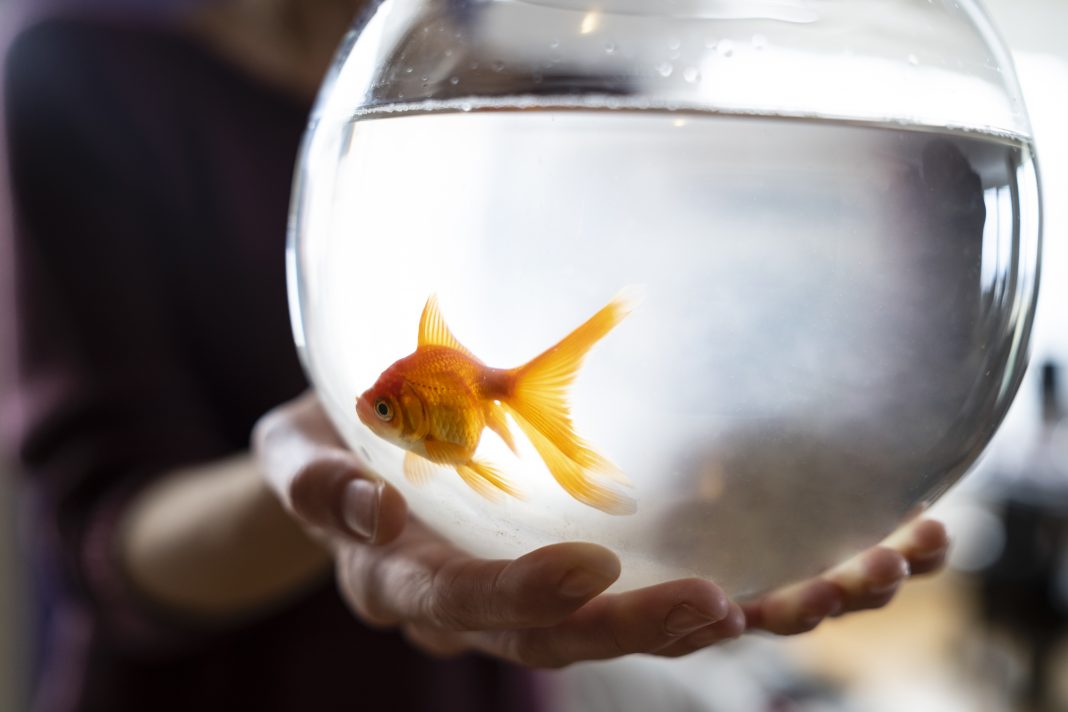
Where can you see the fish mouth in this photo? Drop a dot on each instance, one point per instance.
(363, 410)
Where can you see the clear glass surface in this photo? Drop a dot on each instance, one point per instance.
(831, 208)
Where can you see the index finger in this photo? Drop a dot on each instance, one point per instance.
(424, 581)
(318, 479)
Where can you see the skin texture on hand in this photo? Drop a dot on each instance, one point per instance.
(547, 608)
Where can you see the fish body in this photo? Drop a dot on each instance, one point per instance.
(436, 403)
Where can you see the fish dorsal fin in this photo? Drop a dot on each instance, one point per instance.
(433, 331)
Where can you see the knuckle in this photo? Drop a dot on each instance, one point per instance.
(357, 588)
(442, 602)
(464, 596)
(433, 642)
(534, 650)
(270, 427)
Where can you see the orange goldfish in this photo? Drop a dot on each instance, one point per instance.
(436, 402)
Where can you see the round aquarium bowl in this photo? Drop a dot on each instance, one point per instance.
(823, 214)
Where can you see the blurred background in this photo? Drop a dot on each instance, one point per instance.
(987, 635)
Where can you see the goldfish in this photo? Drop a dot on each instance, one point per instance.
(436, 403)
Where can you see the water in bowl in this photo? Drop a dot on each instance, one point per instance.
(830, 332)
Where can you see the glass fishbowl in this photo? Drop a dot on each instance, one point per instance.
(828, 210)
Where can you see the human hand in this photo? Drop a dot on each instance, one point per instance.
(544, 609)
(867, 581)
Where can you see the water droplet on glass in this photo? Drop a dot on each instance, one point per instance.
(674, 43)
(609, 48)
(691, 75)
(914, 60)
(454, 80)
(674, 55)
(725, 48)
(665, 69)
(408, 70)
(498, 66)
(760, 42)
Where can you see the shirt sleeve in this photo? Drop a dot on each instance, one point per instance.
(101, 401)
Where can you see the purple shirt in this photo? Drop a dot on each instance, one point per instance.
(150, 185)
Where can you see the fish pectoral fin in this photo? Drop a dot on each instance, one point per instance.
(497, 421)
(579, 481)
(418, 470)
(487, 480)
(446, 453)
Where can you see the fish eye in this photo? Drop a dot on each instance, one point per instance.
(383, 410)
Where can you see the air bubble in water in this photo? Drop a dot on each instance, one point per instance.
(725, 48)
(466, 106)
(498, 66)
(665, 69)
(609, 48)
(760, 42)
(691, 75)
(554, 44)
(454, 80)
(674, 43)
(914, 60)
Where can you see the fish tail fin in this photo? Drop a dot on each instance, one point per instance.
(487, 480)
(579, 481)
(537, 399)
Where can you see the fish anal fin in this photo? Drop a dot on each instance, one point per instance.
(418, 470)
(433, 331)
(497, 421)
(487, 480)
(579, 481)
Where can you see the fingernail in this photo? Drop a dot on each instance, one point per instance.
(359, 508)
(684, 618)
(883, 589)
(582, 583)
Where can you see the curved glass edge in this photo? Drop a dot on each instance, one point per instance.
(408, 52)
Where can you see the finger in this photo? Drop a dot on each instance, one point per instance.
(290, 435)
(335, 493)
(924, 544)
(639, 621)
(431, 584)
(869, 580)
(795, 609)
(727, 629)
(436, 642)
(322, 482)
